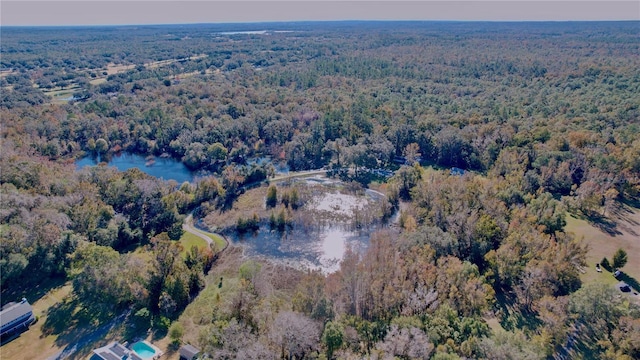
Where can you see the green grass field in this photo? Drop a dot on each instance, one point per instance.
(189, 240)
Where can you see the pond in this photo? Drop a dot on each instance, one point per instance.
(321, 234)
(317, 249)
(160, 167)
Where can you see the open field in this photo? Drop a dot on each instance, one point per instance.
(98, 81)
(155, 64)
(623, 232)
(115, 69)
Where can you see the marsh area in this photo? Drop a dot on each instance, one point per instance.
(333, 216)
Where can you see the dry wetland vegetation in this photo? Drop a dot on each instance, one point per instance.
(377, 190)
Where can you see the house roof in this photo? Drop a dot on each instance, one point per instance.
(189, 351)
(106, 355)
(13, 311)
(113, 351)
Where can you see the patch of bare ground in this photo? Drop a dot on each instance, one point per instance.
(117, 68)
(5, 73)
(98, 81)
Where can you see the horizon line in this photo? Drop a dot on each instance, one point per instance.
(325, 22)
(153, 12)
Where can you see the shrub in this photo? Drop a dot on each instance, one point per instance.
(176, 331)
(162, 324)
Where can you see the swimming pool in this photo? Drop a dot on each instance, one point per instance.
(143, 350)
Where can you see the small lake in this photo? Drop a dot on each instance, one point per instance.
(162, 168)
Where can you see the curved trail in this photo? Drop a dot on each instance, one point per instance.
(297, 174)
(187, 226)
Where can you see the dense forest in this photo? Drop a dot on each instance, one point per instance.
(542, 118)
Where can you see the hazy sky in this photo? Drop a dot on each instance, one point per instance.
(100, 12)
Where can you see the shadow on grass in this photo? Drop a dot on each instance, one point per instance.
(625, 214)
(9, 338)
(632, 202)
(598, 221)
(159, 334)
(30, 290)
(77, 326)
(140, 324)
(630, 281)
(137, 326)
(60, 318)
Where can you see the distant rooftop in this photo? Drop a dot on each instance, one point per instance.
(457, 171)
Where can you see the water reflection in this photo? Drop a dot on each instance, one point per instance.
(318, 249)
(319, 243)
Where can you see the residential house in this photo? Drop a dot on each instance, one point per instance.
(16, 317)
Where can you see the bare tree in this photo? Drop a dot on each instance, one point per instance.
(295, 334)
(235, 341)
(410, 343)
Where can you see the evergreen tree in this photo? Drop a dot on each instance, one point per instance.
(272, 196)
(619, 259)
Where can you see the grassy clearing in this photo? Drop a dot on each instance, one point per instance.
(6, 73)
(623, 232)
(603, 243)
(98, 81)
(252, 201)
(494, 324)
(115, 69)
(189, 240)
(61, 91)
